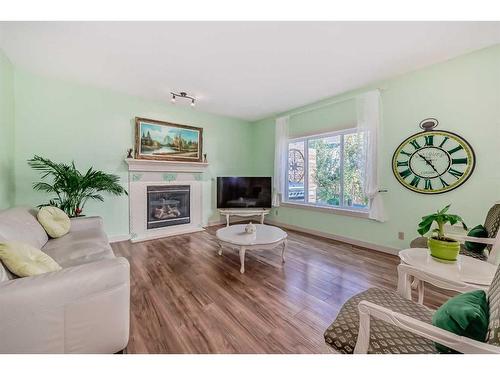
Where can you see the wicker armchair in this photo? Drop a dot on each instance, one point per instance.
(380, 321)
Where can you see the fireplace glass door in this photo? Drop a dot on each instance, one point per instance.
(168, 205)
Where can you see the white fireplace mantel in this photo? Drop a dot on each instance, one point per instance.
(142, 165)
(144, 173)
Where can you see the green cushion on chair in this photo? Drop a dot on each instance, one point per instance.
(478, 231)
(465, 315)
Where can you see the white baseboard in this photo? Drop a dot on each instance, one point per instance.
(119, 237)
(352, 241)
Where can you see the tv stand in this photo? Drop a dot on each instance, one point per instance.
(244, 212)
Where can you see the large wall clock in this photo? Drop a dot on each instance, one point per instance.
(433, 161)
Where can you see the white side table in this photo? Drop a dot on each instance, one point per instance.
(464, 275)
(265, 237)
(244, 212)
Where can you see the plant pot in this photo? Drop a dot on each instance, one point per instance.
(444, 250)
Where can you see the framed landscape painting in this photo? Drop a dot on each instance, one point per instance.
(159, 140)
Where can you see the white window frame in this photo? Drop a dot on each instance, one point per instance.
(342, 208)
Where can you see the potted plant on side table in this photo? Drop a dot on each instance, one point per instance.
(441, 247)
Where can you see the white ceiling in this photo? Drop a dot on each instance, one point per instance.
(243, 69)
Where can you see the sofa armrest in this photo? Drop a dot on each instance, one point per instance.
(81, 309)
(86, 222)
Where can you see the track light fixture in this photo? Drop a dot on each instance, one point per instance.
(183, 95)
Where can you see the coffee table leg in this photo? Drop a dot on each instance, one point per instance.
(283, 251)
(220, 249)
(242, 259)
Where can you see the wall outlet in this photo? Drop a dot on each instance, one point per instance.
(401, 235)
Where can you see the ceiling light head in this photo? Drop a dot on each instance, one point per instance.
(183, 95)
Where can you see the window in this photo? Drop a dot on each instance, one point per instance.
(326, 170)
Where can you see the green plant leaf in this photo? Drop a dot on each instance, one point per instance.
(72, 187)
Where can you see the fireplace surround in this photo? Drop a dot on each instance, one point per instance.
(165, 198)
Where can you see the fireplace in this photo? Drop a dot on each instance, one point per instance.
(168, 205)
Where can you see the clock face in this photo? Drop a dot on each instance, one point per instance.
(433, 162)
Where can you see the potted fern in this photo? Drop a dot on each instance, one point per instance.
(441, 247)
(72, 188)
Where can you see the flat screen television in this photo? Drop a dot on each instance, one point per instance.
(243, 192)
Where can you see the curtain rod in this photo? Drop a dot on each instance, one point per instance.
(329, 103)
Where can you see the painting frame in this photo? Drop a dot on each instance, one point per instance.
(164, 127)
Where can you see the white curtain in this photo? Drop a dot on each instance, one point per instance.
(280, 159)
(368, 112)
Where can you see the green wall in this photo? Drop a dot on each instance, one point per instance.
(94, 127)
(66, 121)
(6, 132)
(463, 94)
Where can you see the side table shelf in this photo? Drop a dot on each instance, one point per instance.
(244, 213)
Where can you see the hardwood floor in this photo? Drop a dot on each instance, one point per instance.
(187, 299)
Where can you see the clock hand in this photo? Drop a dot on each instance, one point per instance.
(428, 162)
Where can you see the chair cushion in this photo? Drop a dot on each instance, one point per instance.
(385, 338)
(466, 315)
(20, 224)
(494, 306)
(478, 231)
(54, 220)
(25, 260)
(79, 247)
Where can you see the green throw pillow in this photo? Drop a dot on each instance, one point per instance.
(477, 231)
(465, 315)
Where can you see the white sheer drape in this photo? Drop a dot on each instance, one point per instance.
(280, 159)
(368, 113)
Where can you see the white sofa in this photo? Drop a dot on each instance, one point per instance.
(83, 308)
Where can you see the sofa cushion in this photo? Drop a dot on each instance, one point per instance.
(54, 220)
(79, 247)
(24, 260)
(20, 224)
(4, 276)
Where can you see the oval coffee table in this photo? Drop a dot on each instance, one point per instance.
(266, 237)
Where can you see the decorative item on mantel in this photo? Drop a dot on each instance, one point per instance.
(205, 158)
(129, 153)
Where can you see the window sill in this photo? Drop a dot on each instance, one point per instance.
(332, 210)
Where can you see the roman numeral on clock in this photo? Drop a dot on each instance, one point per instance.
(455, 173)
(402, 163)
(459, 161)
(443, 182)
(428, 184)
(405, 173)
(405, 153)
(415, 181)
(458, 148)
(444, 141)
(429, 140)
(415, 144)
